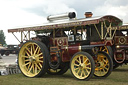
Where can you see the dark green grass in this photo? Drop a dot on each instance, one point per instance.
(117, 77)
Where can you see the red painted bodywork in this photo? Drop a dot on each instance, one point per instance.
(67, 49)
(68, 52)
(105, 42)
(116, 38)
(121, 49)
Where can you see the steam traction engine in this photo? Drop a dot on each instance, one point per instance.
(62, 44)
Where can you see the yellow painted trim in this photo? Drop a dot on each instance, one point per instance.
(97, 31)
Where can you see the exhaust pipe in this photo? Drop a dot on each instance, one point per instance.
(69, 15)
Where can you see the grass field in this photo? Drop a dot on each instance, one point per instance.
(118, 77)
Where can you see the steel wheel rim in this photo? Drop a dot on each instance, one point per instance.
(81, 66)
(30, 59)
(102, 65)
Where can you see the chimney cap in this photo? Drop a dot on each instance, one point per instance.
(88, 14)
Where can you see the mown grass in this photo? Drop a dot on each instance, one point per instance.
(118, 77)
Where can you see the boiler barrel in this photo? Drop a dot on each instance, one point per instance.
(69, 15)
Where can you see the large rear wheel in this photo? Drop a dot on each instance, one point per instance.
(32, 59)
(82, 66)
(104, 65)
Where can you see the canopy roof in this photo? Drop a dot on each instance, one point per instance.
(70, 23)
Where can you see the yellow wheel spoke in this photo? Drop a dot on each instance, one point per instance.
(36, 50)
(40, 61)
(100, 48)
(103, 49)
(26, 59)
(39, 55)
(28, 50)
(30, 68)
(31, 50)
(106, 68)
(100, 71)
(79, 59)
(76, 64)
(84, 74)
(103, 70)
(26, 64)
(24, 56)
(33, 47)
(87, 71)
(88, 64)
(76, 68)
(81, 73)
(40, 65)
(106, 61)
(35, 69)
(106, 49)
(99, 59)
(88, 68)
(85, 61)
(27, 53)
(37, 66)
(78, 71)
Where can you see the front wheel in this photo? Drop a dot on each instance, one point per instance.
(32, 59)
(104, 65)
(82, 66)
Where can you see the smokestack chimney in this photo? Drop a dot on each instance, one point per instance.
(88, 14)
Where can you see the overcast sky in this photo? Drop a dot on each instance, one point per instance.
(20, 13)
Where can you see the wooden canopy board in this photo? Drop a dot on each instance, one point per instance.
(123, 27)
(106, 23)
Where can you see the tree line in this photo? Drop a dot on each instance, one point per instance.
(2, 38)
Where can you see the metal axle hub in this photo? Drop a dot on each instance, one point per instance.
(32, 59)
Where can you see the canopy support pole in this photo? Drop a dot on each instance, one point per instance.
(102, 35)
(98, 31)
(15, 37)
